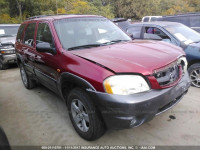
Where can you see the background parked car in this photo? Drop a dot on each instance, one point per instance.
(121, 22)
(174, 33)
(191, 20)
(150, 18)
(8, 34)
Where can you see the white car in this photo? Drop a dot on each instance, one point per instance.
(150, 18)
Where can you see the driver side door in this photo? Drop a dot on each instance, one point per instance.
(155, 33)
(46, 64)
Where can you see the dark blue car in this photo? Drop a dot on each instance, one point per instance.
(174, 33)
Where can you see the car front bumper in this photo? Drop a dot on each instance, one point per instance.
(120, 112)
(8, 59)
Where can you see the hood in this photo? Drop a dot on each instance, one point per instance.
(7, 40)
(133, 57)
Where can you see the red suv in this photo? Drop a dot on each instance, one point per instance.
(107, 80)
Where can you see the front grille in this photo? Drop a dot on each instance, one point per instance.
(169, 74)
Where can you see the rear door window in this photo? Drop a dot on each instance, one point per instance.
(20, 32)
(29, 34)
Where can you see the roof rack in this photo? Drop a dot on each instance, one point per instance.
(119, 19)
(41, 16)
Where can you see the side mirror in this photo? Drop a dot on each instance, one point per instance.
(152, 36)
(45, 47)
(131, 36)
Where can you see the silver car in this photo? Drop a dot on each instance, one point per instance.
(8, 33)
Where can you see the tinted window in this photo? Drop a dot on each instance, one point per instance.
(146, 19)
(44, 34)
(181, 19)
(29, 34)
(154, 19)
(194, 21)
(20, 32)
(135, 31)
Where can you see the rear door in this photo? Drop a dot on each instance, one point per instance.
(153, 32)
(28, 48)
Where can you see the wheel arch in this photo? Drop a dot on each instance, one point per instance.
(19, 59)
(69, 81)
(192, 62)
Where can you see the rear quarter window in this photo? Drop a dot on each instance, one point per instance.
(20, 32)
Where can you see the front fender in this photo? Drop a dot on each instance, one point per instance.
(72, 78)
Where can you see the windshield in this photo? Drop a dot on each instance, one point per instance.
(184, 33)
(8, 31)
(88, 32)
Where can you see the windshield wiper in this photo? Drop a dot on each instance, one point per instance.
(85, 46)
(115, 41)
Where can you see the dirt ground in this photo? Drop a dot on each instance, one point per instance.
(39, 117)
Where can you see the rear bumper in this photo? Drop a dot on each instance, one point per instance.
(130, 111)
(8, 59)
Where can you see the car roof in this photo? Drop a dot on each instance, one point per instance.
(153, 16)
(184, 14)
(9, 25)
(158, 23)
(55, 17)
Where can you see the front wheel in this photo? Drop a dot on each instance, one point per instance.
(194, 72)
(84, 116)
(3, 66)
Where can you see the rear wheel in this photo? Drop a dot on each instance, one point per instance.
(194, 72)
(84, 116)
(27, 81)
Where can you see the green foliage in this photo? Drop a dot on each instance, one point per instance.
(15, 11)
(136, 9)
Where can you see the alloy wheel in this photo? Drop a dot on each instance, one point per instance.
(80, 115)
(195, 77)
(24, 76)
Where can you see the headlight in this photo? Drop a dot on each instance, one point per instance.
(7, 49)
(184, 63)
(125, 84)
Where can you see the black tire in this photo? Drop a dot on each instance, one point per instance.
(192, 74)
(4, 144)
(96, 125)
(3, 66)
(28, 82)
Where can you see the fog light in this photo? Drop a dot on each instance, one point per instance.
(133, 122)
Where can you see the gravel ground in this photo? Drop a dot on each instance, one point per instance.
(39, 117)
